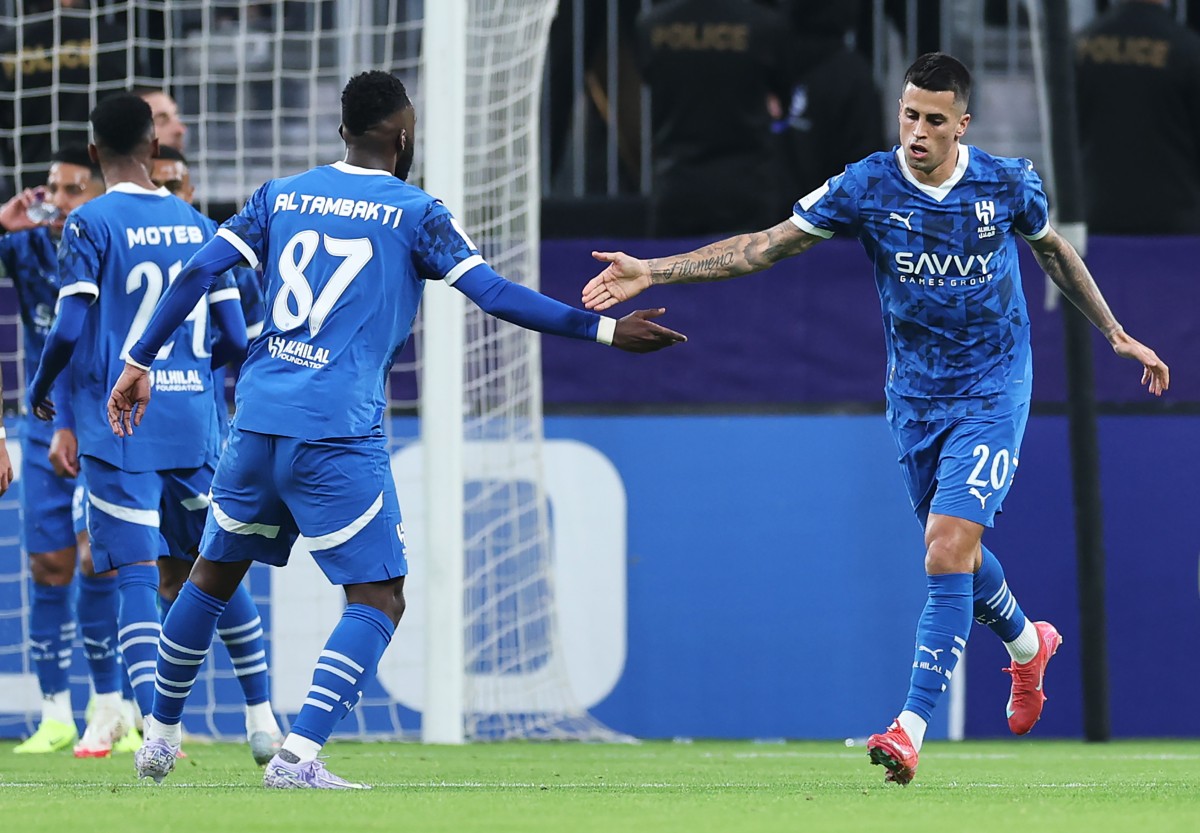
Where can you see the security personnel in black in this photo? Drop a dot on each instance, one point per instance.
(834, 115)
(715, 68)
(1138, 83)
(27, 73)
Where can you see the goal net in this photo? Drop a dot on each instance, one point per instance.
(258, 88)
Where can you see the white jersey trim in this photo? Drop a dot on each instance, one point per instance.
(141, 517)
(254, 330)
(347, 168)
(806, 226)
(79, 288)
(462, 268)
(130, 188)
(228, 294)
(238, 528)
(241, 245)
(607, 330)
(1037, 235)
(341, 536)
(938, 192)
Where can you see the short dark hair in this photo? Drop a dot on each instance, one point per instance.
(168, 152)
(938, 72)
(75, 154)
(122, 122)
(369, 98)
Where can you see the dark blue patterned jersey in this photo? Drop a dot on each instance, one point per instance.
(344, 252)
(29, 260)
(121, 251)
(955, 321)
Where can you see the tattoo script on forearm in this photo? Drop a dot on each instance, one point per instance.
(733, 257)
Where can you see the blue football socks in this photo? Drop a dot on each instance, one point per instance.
(137, 620)
(186, 637)
(349, 660)
(240, 629)
(51, 636)
(995, 604)
(97, 610)
(941, 637)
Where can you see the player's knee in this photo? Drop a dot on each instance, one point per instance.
(950, 552)
(398, 603)
(55, 569)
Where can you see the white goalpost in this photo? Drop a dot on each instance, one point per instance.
(480, 653)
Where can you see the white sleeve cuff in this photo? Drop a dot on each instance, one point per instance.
(461, 268)
(254, 330)
(606, 330)
(806, 226)
(1037, 235)
(138, 365)
(238, 243)
(228, 294)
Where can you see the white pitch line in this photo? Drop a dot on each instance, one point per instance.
(600, 785)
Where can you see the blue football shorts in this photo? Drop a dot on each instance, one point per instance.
(960, 466)
(337, 493)
(45, 501)
(127, 511)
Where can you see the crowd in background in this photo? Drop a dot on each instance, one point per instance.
(753, 103)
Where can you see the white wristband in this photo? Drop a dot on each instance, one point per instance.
(3, 433)
(144, 367)
(606, 330)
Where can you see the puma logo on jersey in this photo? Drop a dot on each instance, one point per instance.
(907, 221)
(931, 651)
(982, 497)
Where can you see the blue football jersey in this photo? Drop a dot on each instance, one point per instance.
(345, 252)
(122, 250)
(29, 259)
(955, 321)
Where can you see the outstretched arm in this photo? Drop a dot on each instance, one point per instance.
(1066, 268)
(524, 307)
(733, 257)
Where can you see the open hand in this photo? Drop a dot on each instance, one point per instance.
(623, 278)
(128, 400)
(636, 333)
(1155, 373)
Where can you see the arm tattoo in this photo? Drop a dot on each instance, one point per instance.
(733, 257)
(1069, 273)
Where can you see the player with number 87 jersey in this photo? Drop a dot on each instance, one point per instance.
(346, 250)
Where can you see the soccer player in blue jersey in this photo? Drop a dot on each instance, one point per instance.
(118, 253)
(940, 221)
(28, 258)
(170, 170)
(346, 250)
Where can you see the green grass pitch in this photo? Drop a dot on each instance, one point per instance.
(1003, 786)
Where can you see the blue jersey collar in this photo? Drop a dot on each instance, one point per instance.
(939, 192)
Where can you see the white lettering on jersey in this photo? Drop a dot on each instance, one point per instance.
(297, 352)
(163, 235)
(371, 212)
(176, 381)
(926, 263)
